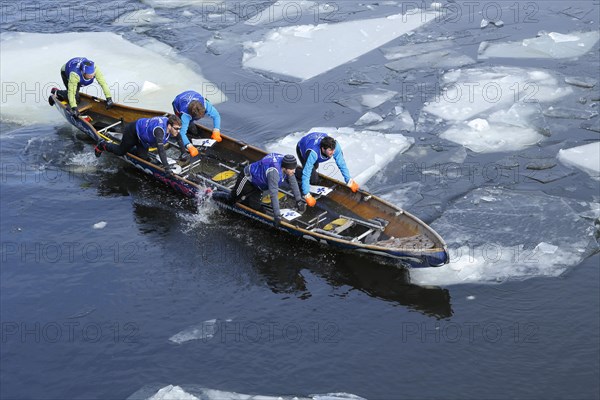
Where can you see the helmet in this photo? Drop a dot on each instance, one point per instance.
(88, 67)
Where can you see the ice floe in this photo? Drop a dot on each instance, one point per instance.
(581, 81)
(365, 152)
(377, 97)
(202, 331)
(494, 109)
(438, 54)
(141, 17)
(468, 92)
(493, 237)
(181, 3)
(305, 51)
(369, 118)
(569, 113)
(546, 45)
(586, 158)
(288, 10)
(137, 76)
(197, 392)
(444, 59)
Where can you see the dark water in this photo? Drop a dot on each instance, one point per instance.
(88, 312)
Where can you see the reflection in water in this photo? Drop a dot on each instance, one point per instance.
(282, 261)
(393, 284)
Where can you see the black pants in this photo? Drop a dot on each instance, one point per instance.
(63, 94)
(314, 175)
(245, 190)
(129, 141)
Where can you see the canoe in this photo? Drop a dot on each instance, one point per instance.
(355, 222)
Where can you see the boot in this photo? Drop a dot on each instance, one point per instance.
(100, 147)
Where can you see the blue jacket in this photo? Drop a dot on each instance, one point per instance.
(266, 174)
(145, 130)
(180, 106)
(260, 169)
(310, 148)
(74, 65)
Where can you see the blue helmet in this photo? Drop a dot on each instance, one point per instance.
(88, 67)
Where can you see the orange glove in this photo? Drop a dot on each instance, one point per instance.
(353, 185)
(216, 135)
(192, 150)
(310, 200)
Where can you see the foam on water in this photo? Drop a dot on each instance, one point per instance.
(137, 76)
(365, 152)
(492, 237)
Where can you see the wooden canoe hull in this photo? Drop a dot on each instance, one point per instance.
(370, 224)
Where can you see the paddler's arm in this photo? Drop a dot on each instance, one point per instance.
(338, 156)
(212, 112)
(159, 135)
(273, 182)
(293, 182)
(102, 82)
(186, 119)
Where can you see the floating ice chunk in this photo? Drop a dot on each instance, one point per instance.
(377, 98)
(569, 113)
(409, 50)
(141, 17)
(148, 87)
(502, 238)
(404, 121)
(560, 38)
(546, 45)
(122, 62)
(173, 393)
(481, 136)
(444, 59)
(290, 10)
(336, 396)
(203, 331)
(546, 248)
(485, 23)
(100, 225)
(181, 3)
(306, 51)
(586, 158)
(365, 152)
(369, 118)
(469, 92)
(197, 392)
(581, 81)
